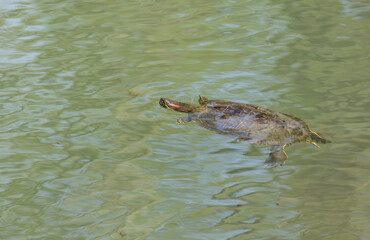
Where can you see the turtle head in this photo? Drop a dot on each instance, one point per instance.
(176, 106)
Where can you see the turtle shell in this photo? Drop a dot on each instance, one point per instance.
(249, 122)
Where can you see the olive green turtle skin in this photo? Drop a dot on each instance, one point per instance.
(246, 122)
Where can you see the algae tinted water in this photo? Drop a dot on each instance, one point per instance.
(87, 153)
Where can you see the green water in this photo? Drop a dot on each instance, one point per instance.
(87, 152)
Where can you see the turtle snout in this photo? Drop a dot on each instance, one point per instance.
(162, 102)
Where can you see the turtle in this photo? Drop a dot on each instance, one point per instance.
(247, 122)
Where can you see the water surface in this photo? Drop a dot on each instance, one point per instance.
(87, 152)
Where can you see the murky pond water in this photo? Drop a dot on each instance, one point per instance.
(87, 152)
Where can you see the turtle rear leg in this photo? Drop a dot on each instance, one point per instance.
(277, 156)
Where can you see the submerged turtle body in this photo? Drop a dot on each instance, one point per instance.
(246, 122)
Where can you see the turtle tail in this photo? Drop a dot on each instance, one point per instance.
(317, 138)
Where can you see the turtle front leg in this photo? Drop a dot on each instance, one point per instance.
(183, 120)
(277, 156)
(242, 139)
